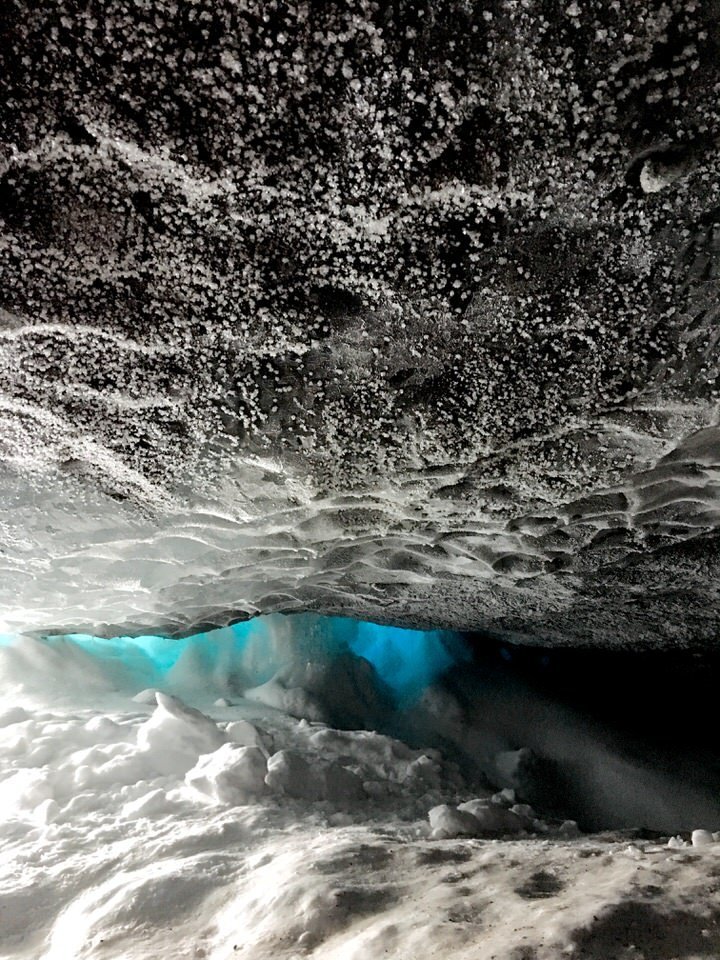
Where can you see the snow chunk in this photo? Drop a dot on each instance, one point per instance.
(149, 804)
(293, 700)
(447, 822)
(246, 735)
(701, 838)
(291, 774)
(505, 798)
(46, 811)
(493, 818)
(231, 774)
(569, 830)
(342, 784)
(103, 726)
(13, 715)
(656, 177)
(148, 695)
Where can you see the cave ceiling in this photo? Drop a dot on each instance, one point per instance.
(404, 311)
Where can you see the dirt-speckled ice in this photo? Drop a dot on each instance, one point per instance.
(142, 824)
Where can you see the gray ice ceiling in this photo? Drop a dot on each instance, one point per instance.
(402, 310)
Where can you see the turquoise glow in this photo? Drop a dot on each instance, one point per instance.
(233, 659)
(407, 660)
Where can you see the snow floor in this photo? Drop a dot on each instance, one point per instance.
(150, 827)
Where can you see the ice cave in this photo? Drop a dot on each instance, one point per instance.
(359, 479)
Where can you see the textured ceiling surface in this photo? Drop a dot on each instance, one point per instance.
(407, 311)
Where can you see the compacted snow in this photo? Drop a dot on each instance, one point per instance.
(141, 824)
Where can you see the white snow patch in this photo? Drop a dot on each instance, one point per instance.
(240, 831)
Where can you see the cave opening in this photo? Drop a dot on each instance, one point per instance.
(606, 739)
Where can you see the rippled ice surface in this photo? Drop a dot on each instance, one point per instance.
(141, 825)
(435, 547)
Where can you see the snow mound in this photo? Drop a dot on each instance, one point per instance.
(243, 831)
(175, 735)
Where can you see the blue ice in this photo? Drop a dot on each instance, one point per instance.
(249, 653)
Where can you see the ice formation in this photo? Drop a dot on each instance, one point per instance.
(402, 311)
(267, 653)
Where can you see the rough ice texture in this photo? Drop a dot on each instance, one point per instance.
(407, 311)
